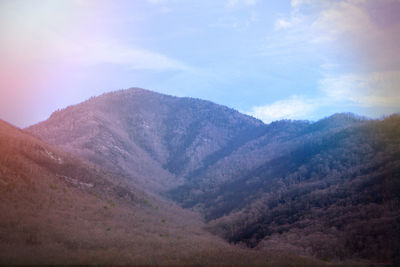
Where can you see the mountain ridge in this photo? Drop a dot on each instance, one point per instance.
(243, 175)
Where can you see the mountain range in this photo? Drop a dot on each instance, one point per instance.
(194, 172)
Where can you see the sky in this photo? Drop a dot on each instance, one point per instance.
(298, 59)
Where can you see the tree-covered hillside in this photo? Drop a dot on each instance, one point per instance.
(327, 188)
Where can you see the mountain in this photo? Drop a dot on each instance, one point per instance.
(58, 208)
(148, 136)
(328, 188)
(151, 138)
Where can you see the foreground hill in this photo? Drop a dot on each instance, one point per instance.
(56, 208)
(328, 189)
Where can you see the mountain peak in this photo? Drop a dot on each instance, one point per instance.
(349, 116)
(338, 120)
(145, 135)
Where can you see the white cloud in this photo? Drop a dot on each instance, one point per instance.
(49, 46)
(136, 58)
(343, 18)
(33, 38)
(376, 93)
(357, 38)
(377, 89)
(364, 33)
(297, 3)
(295, 107)
(290, 39)
(282, 24)
(237, 3)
